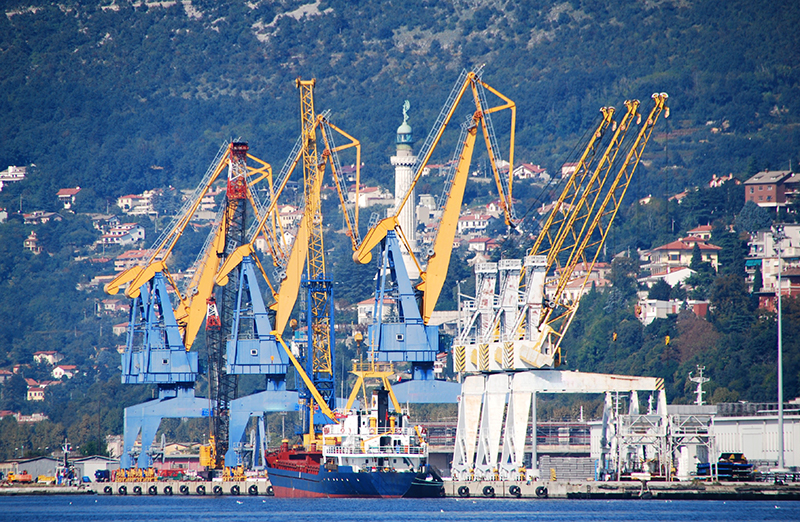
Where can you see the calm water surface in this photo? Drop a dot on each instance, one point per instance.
(194, 509)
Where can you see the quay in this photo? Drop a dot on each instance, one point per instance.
(249, 487)
(623, 490)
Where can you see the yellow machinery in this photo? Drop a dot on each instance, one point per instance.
(529, 336)
(308, 252)
(411, 338)
(190, 311)
(433, 276)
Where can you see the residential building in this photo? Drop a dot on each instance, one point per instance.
(475, 223)
(648, 310)
(49, 357)
(568, 168)
(31, 419)
(369, 196)
(763, 255)
(40, 217)
(679, 254)
(672, 276)
(112, 306)
(32, 243)
(718, 181)
(575, 289)
(767, 189)
(138, 204)
(130, 259)
(120, 329)
(4, 375)
(532, 172)
(35, 393)
(103, 222)
(366, 309)
(125, 234)
(67, 196)
(482, 244)
(289, 215)
(701, 231)
(11, 175)
(64, 370)
(599, 270)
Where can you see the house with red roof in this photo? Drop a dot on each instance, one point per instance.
(701, 231)
(64, 370)
(130, 259)
(532, 172)
(366, 309)
(482, 244)
(679, 254)
(67, 196)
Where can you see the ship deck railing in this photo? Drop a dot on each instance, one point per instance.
(375, 451)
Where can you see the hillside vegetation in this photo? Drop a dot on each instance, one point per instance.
(118, 97)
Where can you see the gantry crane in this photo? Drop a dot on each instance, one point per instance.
(515, 333)
(411, 338)
(159, 337)
(530, 335)
(317, 364)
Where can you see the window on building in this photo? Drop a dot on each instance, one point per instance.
(769, 198)
(760, 188)
(752, 190)
(674, 257)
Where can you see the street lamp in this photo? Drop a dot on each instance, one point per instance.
(777, 238)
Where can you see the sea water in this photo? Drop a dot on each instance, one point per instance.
(102, 508)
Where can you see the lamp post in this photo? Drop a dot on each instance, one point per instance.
(777, 237)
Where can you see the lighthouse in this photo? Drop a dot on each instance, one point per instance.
(403, 162)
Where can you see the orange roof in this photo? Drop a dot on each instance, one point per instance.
(680, 245)
(133, 254)
(68, 191)
(701, 228)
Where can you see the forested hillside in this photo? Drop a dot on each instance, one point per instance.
(118, 97)
(96, 94)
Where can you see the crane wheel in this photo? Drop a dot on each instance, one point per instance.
(201, 490)
(184, 489)
(252, 490)
(514, 491)
(541, 492)
(488, 491)
(270, 491)
(108, 490)
(152, 490)
(122, 490)
(168, 490)
(217, 491)
(463, 492)
(235, 490)
(137, 490)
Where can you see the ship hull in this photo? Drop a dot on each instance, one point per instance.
(346, 483)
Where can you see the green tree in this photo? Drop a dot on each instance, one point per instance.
(624, 271)
(660, 290)
(753, 218)
(730, 304)
(758, 280)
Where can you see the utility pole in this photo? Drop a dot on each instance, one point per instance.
(777, 238)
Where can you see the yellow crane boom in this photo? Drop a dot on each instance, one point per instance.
(435, 273)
